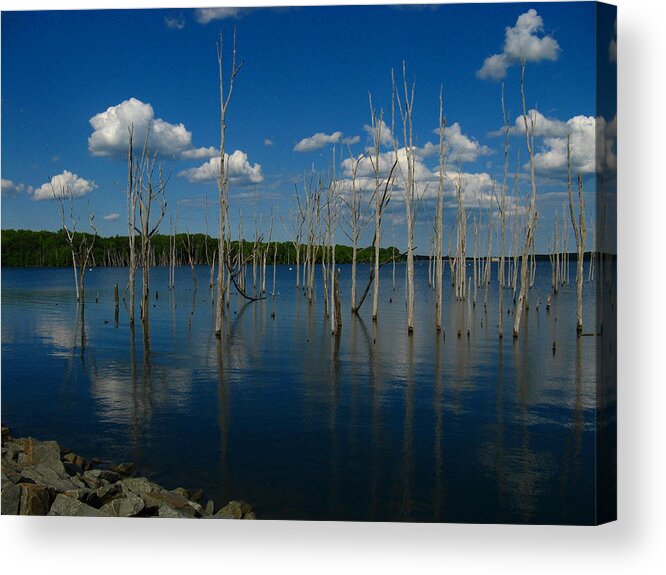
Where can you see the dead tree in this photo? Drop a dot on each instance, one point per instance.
(297, 219)
(223, 177)
(381, 196)
(189, 250)
(439, 231)
(502, 209)
(356, 218)
(531, 213)
(409, 177)
(580, 233)
(132, 178)
(80, 245)
(149, 194)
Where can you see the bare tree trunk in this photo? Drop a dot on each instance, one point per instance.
(439, 230)
(579, 233)
(410, 187)
(223, 178)
(531, 216)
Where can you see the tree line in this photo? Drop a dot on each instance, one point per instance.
(28, 248)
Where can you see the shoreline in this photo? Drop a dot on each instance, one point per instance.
(44, 478)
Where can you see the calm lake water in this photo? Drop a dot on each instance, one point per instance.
(374, 425)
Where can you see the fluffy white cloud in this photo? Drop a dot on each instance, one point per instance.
(461, 148)
(110, 135)
(9, 188)
(320, 140)
(475, 186)
(111, 217)
(582, 137)
(200, 153)
(524, 40)
(543, 127)
(240, 171)
(206, 15)
(64, 184)
(386, 133)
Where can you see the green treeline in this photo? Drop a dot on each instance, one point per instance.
(27, 248)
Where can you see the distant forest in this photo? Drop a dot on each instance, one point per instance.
(27, 248)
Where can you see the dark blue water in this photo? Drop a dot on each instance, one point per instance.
(373, 425)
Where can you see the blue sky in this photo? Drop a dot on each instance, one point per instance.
(71, 80)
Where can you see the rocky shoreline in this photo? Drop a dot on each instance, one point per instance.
(43, 478)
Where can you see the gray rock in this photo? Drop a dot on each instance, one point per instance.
(11, 451)
(209, 509)
(104, 495)
(175, 501)
(50, 477)
(44, 453)
(70, 507)
(250, 515)
(11, 496)
(138, 485)
(224, 514)
(76, 460)
(128, 506)
(80, 494)
(103, 475)
(170, 512)
(6, 434)
(35, 499)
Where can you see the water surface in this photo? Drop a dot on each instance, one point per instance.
(372, 425)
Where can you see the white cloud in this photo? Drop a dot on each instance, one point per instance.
(386, 133)
(241, 172)
(174, 23)
(111, 217)
(461, 148)
(64, 183)
(200, 153)
(110, 135)
(268, 142)
(10, 189)
(476, 186)
(582, 137)
(543, 127)
(320, 140)
(524, 40)
(206, 15)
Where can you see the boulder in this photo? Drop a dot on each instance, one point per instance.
(45, 453)
(175, 501)
(209, 509)
(127, 506)
(232, 510)
(104, 495)
(11, 451)
(52, 476)
(35, 499)
(169, 512)
(105, 475)
(6, 434)
(11, 496)
(76, 460)
(138, 485)
(70, 507)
